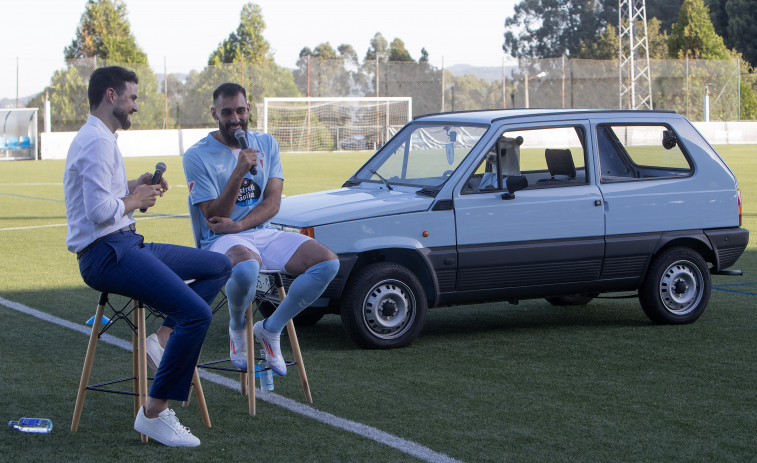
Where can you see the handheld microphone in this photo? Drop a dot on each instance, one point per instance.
(241, 137)
(159, 169)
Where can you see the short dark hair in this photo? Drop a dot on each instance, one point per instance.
(102, 79)
(229, 89)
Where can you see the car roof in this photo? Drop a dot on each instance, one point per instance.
(488, 116)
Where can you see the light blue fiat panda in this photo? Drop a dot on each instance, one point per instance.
(506, 205)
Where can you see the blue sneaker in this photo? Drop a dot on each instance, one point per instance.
(238, 348)
(270, 343)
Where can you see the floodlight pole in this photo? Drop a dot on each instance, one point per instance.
(537, 76)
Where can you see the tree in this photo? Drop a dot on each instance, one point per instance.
(67, 94)
(694, 35)
(553, 28)
(741, 32)
(398, 52)
(102, 38)
(424, 56)
(379, 49)
(246, 42)
(605, 47)
(104, 32)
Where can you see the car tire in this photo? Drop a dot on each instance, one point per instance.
(571, 299)
(383, 307)
(308, 317)
(676, 288)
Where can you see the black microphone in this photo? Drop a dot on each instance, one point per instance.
(159, 169)
(241, 137)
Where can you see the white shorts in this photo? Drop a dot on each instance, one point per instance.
(274, 247)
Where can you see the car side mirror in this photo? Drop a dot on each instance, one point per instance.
(514, 183)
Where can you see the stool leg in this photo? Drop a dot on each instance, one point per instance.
(142, 357)
(135, 361)
(296, 351)
(250, 362)
(89, 359)
(201, 399)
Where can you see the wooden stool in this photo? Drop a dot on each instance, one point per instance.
(139, 361)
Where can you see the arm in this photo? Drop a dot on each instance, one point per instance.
(223, 205)
(259, 214)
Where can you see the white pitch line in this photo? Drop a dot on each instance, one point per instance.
(34, 227)
(368, 432)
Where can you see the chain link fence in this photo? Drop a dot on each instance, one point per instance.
(183, 101)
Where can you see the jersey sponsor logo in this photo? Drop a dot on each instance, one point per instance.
(249, 192)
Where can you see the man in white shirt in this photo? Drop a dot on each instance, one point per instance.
(113, 258)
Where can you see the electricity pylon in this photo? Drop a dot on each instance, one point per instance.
(634, 73)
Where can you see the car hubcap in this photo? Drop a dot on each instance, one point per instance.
(681, 287)
(388, 309)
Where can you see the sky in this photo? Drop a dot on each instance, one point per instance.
(182, 34)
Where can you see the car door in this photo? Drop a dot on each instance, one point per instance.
(551, 232)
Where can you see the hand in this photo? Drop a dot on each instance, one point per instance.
(146, 179)
(223, 225)
(147, 195)
(247, 158)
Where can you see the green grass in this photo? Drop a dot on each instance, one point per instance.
(488, 382)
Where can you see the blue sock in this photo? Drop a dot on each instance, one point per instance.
(305, 289)
(240, 290)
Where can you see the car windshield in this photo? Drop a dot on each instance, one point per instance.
(421, 155)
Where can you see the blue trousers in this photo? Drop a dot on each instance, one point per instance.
(154, 273)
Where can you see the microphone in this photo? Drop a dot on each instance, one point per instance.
(241, 137)
(159, 169)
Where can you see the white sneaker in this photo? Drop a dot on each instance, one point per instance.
(270, 343)
(154, 352)
(165, 429)
(238, 348)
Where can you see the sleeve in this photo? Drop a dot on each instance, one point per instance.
(200, 184)
(101, 205)
(275, 160)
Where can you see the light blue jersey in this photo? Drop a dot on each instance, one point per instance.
(208, 164)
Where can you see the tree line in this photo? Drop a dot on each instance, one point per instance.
(717, 29)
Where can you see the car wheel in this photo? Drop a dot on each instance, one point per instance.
(384, 307)
(308, 317)
(676, 288)
(572, 299)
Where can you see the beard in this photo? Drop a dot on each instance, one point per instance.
(123, 117)
(228, 133)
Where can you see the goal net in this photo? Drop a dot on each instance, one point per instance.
(333, 124)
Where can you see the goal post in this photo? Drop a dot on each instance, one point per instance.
(333, 124)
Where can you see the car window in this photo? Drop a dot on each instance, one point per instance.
(638, 152)
(422, 155)
(546, 157)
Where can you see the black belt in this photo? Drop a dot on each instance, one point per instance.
(131, 227)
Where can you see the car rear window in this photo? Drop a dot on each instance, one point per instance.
(639, 152)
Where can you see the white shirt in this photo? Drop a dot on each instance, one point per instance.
(93, 184)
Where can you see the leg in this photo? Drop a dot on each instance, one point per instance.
(316, 266)
(320, 265)
(240, 291)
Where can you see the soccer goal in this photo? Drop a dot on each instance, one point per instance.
(328, 124)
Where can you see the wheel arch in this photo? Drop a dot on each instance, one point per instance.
(410, 258)
(697, 241)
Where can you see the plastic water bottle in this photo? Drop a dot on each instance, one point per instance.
(39, 425)
(266, 375)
